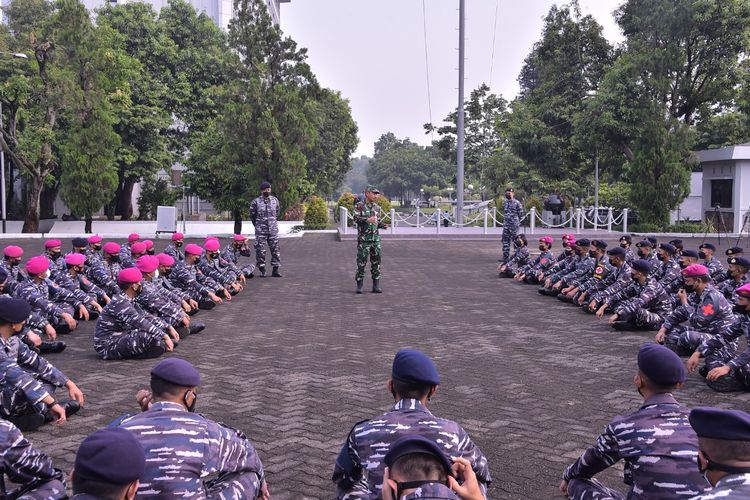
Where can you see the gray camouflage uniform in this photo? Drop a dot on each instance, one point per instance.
(176, 253)
(264, 214)
(731, 487)
(49, 300)
(104, 275)
(705, 315)
(512, 215)
(124, 330)
(643, 306)
(232, 254)
(720, 350)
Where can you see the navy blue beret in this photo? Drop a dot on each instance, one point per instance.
(14, 310)
(660, 364)
(740, 261)
(677, 242)
(644, 243)
(616, 251)
(177, 371)
(652, 240)
(715, 423)
(411, 365)
(111, 455)
(642, 266)
(583, 242)
(667, 247)
(80, 242)
(599, 244)
(626, 238)
(734, 251)
(406, 445)
(690, 253)
(710, 246)
(265, 185)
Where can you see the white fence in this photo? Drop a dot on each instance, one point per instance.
(577, 219)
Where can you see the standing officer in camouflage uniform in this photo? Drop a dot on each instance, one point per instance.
(27, 467)
(512, 215)
(724, 456)
(368, 221)
(657, 443)
(183, 447)
(414, 379)
(264, 214)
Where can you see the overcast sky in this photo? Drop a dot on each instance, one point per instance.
(373, 52)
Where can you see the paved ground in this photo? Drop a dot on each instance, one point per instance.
(295, 362)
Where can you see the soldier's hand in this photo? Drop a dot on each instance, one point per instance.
(226, 294)
(718, 372)
(173, 333)
(469, 488)
(168, 342)
(612, 319)
(144, 398)
(693, 361)
(34, 338)
(69, 321)
(96, 305)
(186, 307)
(592, 305)
(186, 320)
(372, 219)
(215, 298)
(193, 303)
(107, 299)
(601, 311)
(264, 493)
(564, 488)
(75, 392)
(660, 335)
(387, 491)
(682, 295)
(50, 331)
(59, 411)
(83, 312)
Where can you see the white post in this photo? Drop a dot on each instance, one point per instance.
(578, 220)
(437, 221)
(494, 217)
(393, 220)
(609, 219)
(343, 219)
(486, 214)
(571, 217)
(532, 220)
(624, 220)
(596, 219)
(417, 215)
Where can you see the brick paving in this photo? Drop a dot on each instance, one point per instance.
(295, 362)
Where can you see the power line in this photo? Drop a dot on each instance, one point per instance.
(494, 36)
(427, 66)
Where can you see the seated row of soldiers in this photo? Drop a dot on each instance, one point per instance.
(142, 303)
(698, 308)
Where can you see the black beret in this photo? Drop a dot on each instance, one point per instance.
(734, 251)
(660, 364)
(677, 242)
(740, 261)
(80, 242)
(652, 240)
(690, 253)
(616, 251)
(715, 423)
(667, 247)
(177, 371)
(406, 445)
(644, 243)
(14, 310)
(710, 246)
(627, 238)
(411, 365)
(583, 242)
(642, 266)
(599, 244)
(509, 190)
(265, 185)
(110, 455)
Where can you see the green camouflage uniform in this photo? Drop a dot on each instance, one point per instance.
(368, 238)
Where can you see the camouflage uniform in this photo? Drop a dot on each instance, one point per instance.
(92, 256)
(176, 253)
(232, 254)
(728, 287)
(182, 448)
(620, 279)
(104, 275)
(432, 491)
(49, 300)
(512, 215)
(56, 265)
(191, 280)
(598, 279)
(660, 450)
(28, 467)
(706, 315)
(264, 214)
(630, 255)
(175, 294)
(730, 487)
(643, 306)
(359, 468)
(15, 277)
(124, 330)
(721, 350)
(668, 272)
(715, 267)
(213, 269)
(159, 305)
(542, 261)
(368, 239)
(519, 259)
(581, 267)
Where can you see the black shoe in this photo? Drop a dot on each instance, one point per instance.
(621, 326)
(182, 330)
(233, 292)
(376, 286)
(153, 352)
(28, 422)
(276, 273)
(249, 275)
(193, 312)
(197, 328)
(360, 285)
(206, 304)
(52, 347)
(262, 270)
(63, 329)
(703, 371)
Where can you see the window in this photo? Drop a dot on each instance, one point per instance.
(721, 193)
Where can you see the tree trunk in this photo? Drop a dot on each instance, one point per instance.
(237, 221)
(33, 193)
(125, 199)
(87, 228)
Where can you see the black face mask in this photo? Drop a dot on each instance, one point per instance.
(592, 254)
(661, 257)
(178, 244)
(702, 254)
(507, 196)
(266, 194)
(55, 255)
(624, 245)
(542, 248)
(114, 258)
(689, 288)
(641, 254)
(214, 255)
(683, 265)
(612, 263)
(740, 309)
(97, 247)
(720, 467)
(167, 271)
(150, 252)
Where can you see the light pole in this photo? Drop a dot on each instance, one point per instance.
(15, 55)
(460, 117)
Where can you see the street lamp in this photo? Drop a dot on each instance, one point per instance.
(15, 55)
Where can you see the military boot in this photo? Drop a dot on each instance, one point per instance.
(360, 285)
(276, 273)
(376, 286)
(262, 270)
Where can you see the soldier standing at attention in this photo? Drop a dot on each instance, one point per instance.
(366, 217)
(264, 214)
(512, 215)
(658, 445)
(183, 447)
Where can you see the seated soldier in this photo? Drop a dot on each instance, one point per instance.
(727, 370)
(186, 276)
(679, 246)
(236, 249)
(724, 456)
(358, 472)
(124, 330)
(79, 285)
(416, 467)
(704, 311)
(706, 253)
(104, 272)
(529, 272)
(12, 264)
(174, 248)
(177, 295)
(656, 442)
(125, 250)
(27, 381)
(563, 259)
(646, 252)
(735, 277)
(519, 258)
(210, 265)
(626, 243)
(580, 265)
(94, 250)
(108, 466)
(52, 302)
(642, 305)
(618, 279)
(27, 467)
(187, 454)
(129, 259)
(669, 269)
(594, 281)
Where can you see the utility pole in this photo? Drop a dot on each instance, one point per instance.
(460, 118)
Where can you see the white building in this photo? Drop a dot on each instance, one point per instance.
(726, 186)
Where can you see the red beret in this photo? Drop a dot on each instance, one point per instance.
(695, 271)
(165, 259)
(147, 263)
(111, 248)
(13, 251)
(52, 243)
(744, 291)
(138, 247)
(239, 237)
(178, 236)
(37, 265)
(546, 239)
(133, 237)
(129, 275)
(193, 249)
(95, 239)
(149, 244)
(212, 245)
(75, 259)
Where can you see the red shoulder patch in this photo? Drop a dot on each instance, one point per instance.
(708, 310)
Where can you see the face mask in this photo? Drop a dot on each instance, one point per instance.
(114, 258)
(660, 257)
(266, 194)
(78, 270)
(702, 254)
(167, 271)
(592, 254)
(55, 255)
(612, 262)
(542, 248)
(97, 247)
(15, 262)
(150, 252)
(623, 245)
(740, 309)
(683, 265)
(214, 255)
(178, 244)
(689, 288)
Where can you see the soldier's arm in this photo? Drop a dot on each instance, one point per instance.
(230, 452)
(348, 475)
(253, 211)
(743, 358)
(13, 375)
(38, 302)
(31, 361)
(359, 216)
(602, 455)
(63, 294)
(22, 462)
(130, 316)
(680, 314)
(471, 452)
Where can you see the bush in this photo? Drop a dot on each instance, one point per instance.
(689, 227)
(346, 200)
(316, 214)
(645, 227)
(385, 203)
(533, 201)
(295, 212)
(154, 194)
